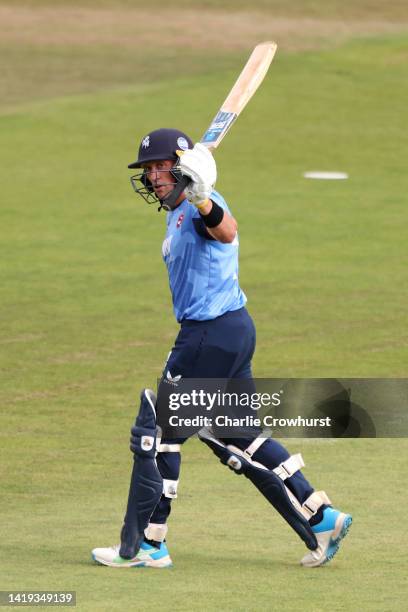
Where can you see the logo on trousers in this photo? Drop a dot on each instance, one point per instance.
(172, 380)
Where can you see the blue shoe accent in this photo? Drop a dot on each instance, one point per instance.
(155, 553)
(328, 521)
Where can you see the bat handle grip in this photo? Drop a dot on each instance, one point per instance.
(173, 196)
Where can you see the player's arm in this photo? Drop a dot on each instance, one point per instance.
(218, 222)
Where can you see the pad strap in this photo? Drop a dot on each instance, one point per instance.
(313, 503)
(156, 532)
(169, 448)
(256, 444)
(287, 468)
(170, 488)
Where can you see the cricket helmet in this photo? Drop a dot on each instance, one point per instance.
(161, 144)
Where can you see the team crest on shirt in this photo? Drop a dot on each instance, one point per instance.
(180, 220)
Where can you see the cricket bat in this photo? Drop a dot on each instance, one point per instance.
(242, 91)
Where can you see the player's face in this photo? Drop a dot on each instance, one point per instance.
(158, 173)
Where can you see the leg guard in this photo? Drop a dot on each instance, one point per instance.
(268, 482)
(146, 485)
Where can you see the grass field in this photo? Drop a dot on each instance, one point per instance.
(86, 316)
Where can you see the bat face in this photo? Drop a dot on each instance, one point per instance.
(244, 88)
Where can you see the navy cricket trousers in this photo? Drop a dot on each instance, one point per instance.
(219, 348)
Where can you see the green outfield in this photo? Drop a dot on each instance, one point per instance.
(86, 318)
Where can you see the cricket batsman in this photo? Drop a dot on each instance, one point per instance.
(216, 340)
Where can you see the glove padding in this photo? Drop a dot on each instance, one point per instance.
(199, 164)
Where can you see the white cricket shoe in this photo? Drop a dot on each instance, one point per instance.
(331, 529)
(147, 556)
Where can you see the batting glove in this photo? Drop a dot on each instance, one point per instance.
(199, 164)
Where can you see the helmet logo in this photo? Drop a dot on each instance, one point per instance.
(146, 142)
(182, 143)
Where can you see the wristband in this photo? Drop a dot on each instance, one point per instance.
(214, 217)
